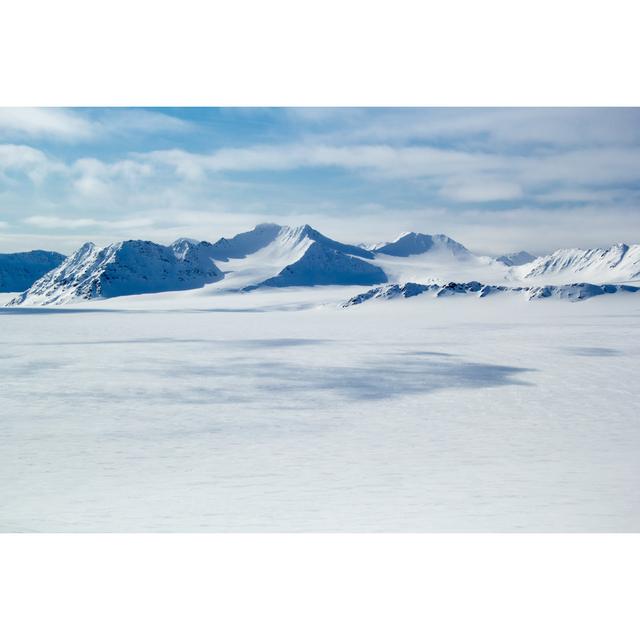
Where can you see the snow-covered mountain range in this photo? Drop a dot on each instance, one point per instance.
(271, 255)
(121, 269)
(620, 262)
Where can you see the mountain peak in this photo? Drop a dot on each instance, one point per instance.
(129, 267)
(243, 244)
(261, 236)
(411, 243)
(266, 226)
(516, 258)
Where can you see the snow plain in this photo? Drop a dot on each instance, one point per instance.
(277, 410)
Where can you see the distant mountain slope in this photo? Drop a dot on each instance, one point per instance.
(618, 263)
(246, 243)
(349, 249)
(574, 292)
(516, 259)
(124, 268)
(410, 244)
(323, 265)
(18, 271)
(251, 259)
(250, 242)
(418, 257)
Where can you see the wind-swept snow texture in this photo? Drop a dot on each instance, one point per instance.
(18, 271)
(122, 269)
(256, 415)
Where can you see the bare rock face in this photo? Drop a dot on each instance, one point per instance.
(574, 292)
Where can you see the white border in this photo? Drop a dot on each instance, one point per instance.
(335, 52)
(311, 587)
(132, 52)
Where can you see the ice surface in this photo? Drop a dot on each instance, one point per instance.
(280, 411)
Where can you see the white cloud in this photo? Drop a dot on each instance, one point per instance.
(584, 194)
(26, 160)
(42, 122)
(71, 125)
(407, 162)
(481, 191)
(492, 128)
(578, 167)
(572, 171)
(123, 121)
(56, 222)
(176, 177)
(93, 178)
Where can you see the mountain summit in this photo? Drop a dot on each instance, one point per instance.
(271, 255)
(411, 244)
(250, 242)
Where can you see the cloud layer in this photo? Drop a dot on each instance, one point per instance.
(495, 179)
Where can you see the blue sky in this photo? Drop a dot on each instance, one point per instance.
(495, 179)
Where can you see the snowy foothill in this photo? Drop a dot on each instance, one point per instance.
(575, 292)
